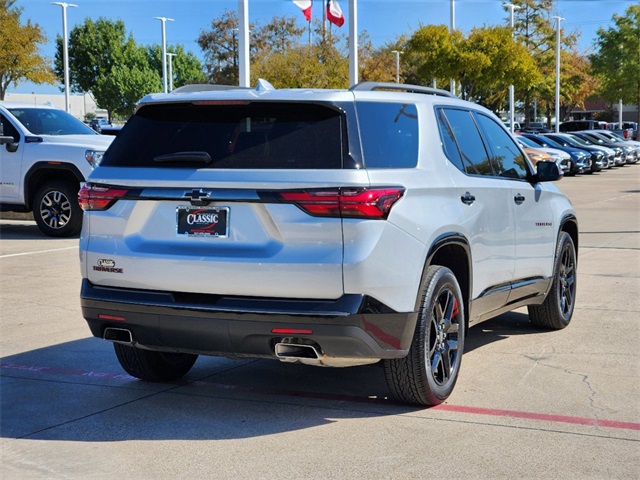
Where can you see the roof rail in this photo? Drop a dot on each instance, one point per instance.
(206, 87)
(370, 86)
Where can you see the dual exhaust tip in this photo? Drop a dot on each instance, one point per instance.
(287, 352)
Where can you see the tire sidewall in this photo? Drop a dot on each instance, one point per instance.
(564, 240)
(438, 279)
(74, 224)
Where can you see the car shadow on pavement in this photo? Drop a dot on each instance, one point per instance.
(499, 328)
(77, 391)
(23, 230)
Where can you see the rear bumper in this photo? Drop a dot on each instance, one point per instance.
(351, 327)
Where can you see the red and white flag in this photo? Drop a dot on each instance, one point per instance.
(305, 6)
(334, 13)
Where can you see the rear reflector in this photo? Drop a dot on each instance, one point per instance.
(113, 318)
(292, 331)
(373, 203)
(95, 197)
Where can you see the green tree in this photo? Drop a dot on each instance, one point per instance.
(107, 62)
(617, 61)
(20, 57)
(185, 66)
(126, 83)
(485, 62)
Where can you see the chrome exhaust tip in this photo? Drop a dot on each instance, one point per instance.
(296, 351)
(118, 335)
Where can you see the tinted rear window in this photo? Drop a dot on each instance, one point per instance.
(389, 133)
(244, 135)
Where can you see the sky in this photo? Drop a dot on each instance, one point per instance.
(384, 20)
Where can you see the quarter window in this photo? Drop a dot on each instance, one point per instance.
(389, 134)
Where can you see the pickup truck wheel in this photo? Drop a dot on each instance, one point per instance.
(153, 366)
(557, 309)
(427, 375)
(56, 209)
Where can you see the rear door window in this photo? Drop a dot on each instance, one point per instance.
(475, 160)
(506, 158)
(231, 135)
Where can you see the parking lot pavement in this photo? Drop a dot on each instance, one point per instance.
(528, 403)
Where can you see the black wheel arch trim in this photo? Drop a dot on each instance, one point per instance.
(40, 167)
(458, 240)
(570, 218)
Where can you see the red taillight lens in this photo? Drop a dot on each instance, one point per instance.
(95, 197)
(346, 202)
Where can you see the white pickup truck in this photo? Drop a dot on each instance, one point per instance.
(44, 155)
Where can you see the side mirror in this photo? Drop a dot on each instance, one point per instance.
(5, 139)
(547, 172)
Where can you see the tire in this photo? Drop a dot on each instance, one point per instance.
(557, 309)
(427, 375)
(56, 209)
(153, 366)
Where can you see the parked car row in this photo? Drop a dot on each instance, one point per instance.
(587, 151)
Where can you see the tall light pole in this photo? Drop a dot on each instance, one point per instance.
(243, 53)
(398, 53)
(65, 52)
(353, 41)
(511, 8)
(558, 20)
(164, 21)
(170, 56)
(452, 82)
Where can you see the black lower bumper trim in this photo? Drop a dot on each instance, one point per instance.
(353, 326)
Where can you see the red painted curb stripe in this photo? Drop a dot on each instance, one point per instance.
(545, 417)
(445, 407)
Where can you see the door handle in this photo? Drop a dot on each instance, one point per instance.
(519, 199)
(467, 198)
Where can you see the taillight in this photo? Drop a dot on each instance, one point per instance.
(96, 197)
(345, 202)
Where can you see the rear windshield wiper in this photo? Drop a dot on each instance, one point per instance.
(184, 157)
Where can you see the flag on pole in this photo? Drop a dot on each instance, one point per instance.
(334, 13)
(305, 6)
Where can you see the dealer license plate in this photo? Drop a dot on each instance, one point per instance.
(203, 221)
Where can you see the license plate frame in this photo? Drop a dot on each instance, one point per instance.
(209, 222)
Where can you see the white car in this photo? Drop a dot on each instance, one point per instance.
(44, 155)
(328, 227)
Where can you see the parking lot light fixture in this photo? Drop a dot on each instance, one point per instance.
(164, 21)
(558, 20)
(398, 53)
(170, 56)
(65, 51)
(511, 8)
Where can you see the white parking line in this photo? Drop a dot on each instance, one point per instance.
(39, 251)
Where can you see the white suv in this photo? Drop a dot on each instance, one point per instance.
(329, 227)
(44, 155)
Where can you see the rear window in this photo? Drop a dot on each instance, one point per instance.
(389, 134)
(255, 135)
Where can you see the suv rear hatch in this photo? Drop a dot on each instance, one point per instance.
(223, 197)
